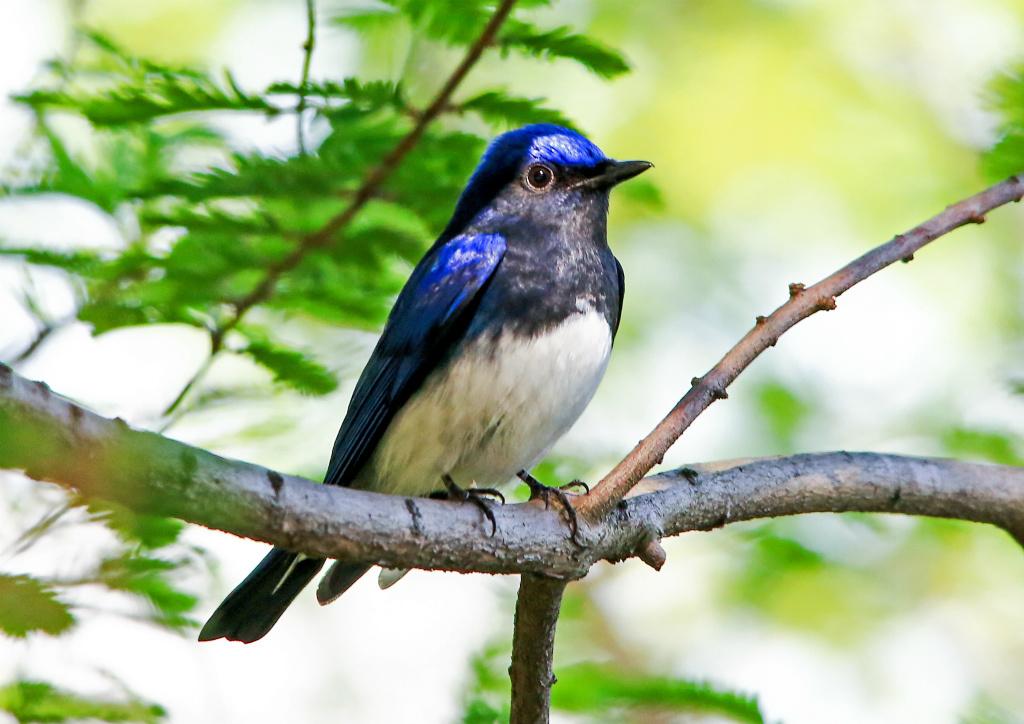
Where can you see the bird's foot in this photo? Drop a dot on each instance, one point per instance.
(575, 484)
(476, 496)
(540, 491)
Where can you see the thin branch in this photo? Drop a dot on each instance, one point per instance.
(307, 58)
(533, 648)
(47, 329)
(50, 438)
(216, 344)
(803, 302)
(371, 183)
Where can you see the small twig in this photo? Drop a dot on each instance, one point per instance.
(367, 190)
(803, 302)
(533, 648)
(307, 58)
(216, 344)
(47, 329)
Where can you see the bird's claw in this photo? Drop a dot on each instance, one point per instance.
(539, 491)
(476, 496)
(575, 484)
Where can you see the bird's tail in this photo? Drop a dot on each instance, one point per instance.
(338, 579)
(252, 609)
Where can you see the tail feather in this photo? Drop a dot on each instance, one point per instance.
(252, 609)
(338, 579)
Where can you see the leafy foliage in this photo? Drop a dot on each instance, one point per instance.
(456, 22)
(563, 43)
(1006, 96)
(232, 214)
(291, 367)
(37, 701)
(27, 605)
(501, 109)
(599, 690)
(147, 577)
(153, 93)
(990, 445)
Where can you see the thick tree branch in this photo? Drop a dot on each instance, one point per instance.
(803, 302)
(50, 438)
(533, 648)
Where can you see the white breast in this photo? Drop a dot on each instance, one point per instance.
(495, 410)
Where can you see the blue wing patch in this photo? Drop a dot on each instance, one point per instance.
(432, 312)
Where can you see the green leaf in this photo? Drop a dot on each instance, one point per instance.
(783, 411)
(146, 577)
(289, 366)
(591, 688)
(1006, 97)
(501, 109)
(1006, 157)
(27, 605)
(37, 701)
(157, 94)
(459, 23)
(147, 531)
(77, 262)
(361, 96)
(563, 43)
(990, 445)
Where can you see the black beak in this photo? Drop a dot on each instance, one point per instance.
(615, 172)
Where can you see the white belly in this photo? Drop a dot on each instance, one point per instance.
(496, 410)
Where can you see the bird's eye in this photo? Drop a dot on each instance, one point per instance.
(539, 176)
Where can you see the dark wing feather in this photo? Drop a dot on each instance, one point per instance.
(622, 295)
(431, 313)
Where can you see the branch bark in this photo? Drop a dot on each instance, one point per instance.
(533, 648)
(51, 438)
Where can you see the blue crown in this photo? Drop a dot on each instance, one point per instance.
(541, 142)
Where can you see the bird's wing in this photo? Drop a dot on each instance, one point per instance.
(622, 294)
(431, 313)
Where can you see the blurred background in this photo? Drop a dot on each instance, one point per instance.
(788, 136)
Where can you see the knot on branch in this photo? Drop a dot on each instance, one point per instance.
(717, 392)
(795, 289)
(652, 553)
(827, 304)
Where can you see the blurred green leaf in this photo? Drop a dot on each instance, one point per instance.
(783, 411)
(289, 366)
(507, 111)
(990, 445)
(563, 43)
(27, 605)
(149, 532)
(158, 93)
(597, 689)
(147, 578)
(37, 701)
(359, 96)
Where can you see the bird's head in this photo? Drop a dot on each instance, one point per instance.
(541, 170)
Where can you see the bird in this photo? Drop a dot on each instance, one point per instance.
(492, 350)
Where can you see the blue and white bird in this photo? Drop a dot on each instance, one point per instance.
(493, 349)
